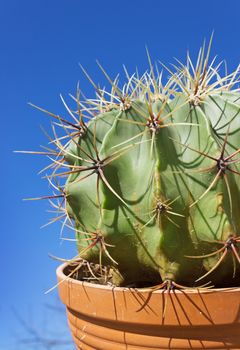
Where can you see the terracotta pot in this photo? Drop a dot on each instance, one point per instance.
(106, 318)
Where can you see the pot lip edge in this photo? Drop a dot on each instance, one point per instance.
(60, 274)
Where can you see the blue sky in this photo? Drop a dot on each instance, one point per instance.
(42, 44)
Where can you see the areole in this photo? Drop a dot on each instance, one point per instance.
(114, 318)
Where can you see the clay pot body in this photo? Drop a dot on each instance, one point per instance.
(107, 318)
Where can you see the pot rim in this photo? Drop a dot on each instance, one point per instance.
(63, 277)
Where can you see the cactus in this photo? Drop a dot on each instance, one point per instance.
(152, 177)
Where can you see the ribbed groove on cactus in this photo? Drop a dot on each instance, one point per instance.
(152, 174)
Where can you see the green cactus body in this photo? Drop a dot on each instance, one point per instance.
(153, 180)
